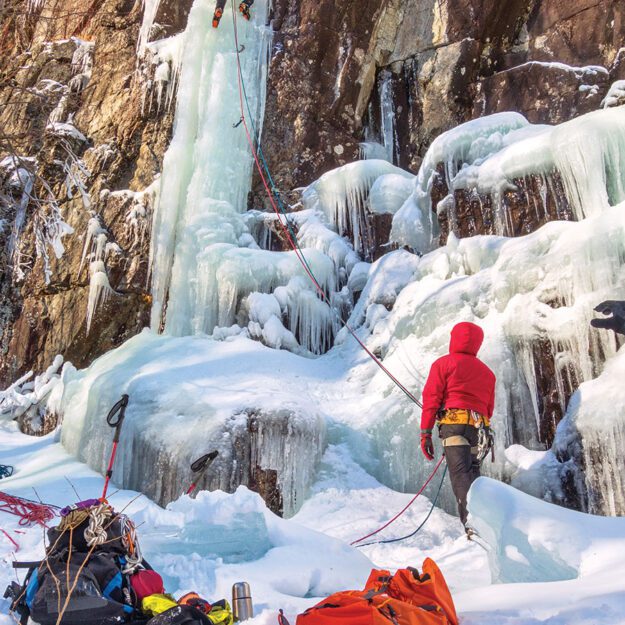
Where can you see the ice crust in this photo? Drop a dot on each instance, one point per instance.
(533, 541)
(343, 195)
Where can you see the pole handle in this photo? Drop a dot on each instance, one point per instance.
(116, 415)
(202, 463)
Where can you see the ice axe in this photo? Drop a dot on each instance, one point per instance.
(199, 467)
(115, 419)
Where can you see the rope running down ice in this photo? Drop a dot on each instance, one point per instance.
(420, 526)
(288, 231)
(389, 522)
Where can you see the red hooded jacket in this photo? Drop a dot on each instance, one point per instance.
(460, 379)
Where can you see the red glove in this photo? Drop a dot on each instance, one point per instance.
(427, 447)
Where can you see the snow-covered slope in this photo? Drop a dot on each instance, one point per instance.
(211, 542)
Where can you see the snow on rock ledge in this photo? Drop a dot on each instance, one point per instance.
(191, 395)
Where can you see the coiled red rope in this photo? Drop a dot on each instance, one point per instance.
(30, 512)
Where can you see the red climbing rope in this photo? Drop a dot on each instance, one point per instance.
(292, 243)
(29, 511)
(17, 547)
(405, 508)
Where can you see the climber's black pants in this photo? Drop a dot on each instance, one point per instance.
(221, 4)
(463, 466)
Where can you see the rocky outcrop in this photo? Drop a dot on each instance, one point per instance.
(73, 113)
(433, 64)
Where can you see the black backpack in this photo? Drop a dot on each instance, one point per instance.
(87, 586)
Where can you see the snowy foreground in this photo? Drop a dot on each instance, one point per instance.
(207, 544)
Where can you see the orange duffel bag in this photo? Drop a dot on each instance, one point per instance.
(405, 598)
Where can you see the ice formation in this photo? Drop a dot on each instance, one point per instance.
(343, 195)
(615, 95)
(533, 541)
(150, 9)
(203, 188)
(488, 155)
(414, 224)
(18, 180)
(595, 419)
(190, 395)
(26, 394)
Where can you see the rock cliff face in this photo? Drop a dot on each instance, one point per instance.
(75, 120)
(74, 110)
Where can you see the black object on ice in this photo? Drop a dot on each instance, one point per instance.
(616, 322)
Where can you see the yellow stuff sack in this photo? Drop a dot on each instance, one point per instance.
(220, 613)
(157, 604)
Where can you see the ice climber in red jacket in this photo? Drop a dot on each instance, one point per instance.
(460, 395)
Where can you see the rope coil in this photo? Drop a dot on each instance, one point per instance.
(29, 511)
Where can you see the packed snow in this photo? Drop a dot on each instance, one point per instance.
(208, 543)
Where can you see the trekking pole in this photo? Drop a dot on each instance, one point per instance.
(115, 419)
(199, 467)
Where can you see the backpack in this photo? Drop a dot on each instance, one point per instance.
(405, 598)
(85, 575)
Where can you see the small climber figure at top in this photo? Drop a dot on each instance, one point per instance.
(244, 9)
(459, 395)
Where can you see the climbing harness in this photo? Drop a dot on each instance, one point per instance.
(416, 531)
(115, 419)
(29, 511)
(485, 435)
(429, 479)
(287, 229)
(199, 467)
(5, 471)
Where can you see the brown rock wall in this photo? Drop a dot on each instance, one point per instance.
(124, 148)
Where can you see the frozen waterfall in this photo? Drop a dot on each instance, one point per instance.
(207, 169)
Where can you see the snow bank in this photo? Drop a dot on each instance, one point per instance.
(531, 540)
(282, 557)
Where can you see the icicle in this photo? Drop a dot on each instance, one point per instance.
(342, 194)
(387, 114)
(150, 9)
(99, 290)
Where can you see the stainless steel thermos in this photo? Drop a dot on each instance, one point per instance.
(242, 601)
